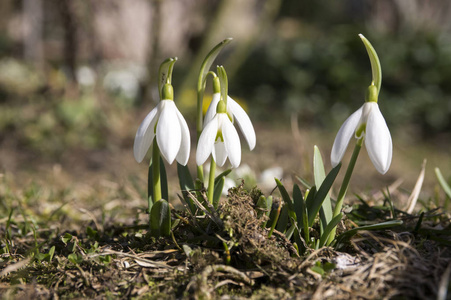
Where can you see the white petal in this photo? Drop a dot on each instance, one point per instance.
(243, 121)
(219, 153)
(145, 134)
(211, 111)
(378, 140)
(231, 141)
(185, 145)
(206, 141)
(343, 137)
(169, 135)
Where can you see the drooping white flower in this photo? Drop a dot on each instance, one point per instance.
(236, 113)
(167, 124)
(220, 139)
(369, 123)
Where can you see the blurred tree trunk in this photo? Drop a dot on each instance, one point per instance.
(70, 38)
(5, 13)
(152, 53)
(33, 33)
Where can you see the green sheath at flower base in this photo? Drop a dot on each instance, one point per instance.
(375, 63)
(167, 92)
(371, 94)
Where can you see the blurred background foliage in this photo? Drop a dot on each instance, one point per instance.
(81, 74)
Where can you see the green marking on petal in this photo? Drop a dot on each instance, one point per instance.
(360, 131)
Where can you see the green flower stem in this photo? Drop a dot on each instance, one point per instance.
(345, 185)
(211, 181)
(156, 173)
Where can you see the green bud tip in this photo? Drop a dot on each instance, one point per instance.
(167, 92)
(221, 108)
(216, 85)
(371, 94)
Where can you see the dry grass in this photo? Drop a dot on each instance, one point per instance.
(101, 257)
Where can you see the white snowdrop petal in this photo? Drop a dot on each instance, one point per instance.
(243, 121)
(219, 153)
(378, 140)
(206, 141)
(185, 145)
(211, 111)
(169, 134)
(231, 141)
(145, 134)
(343, 137)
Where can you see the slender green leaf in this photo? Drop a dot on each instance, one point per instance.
(283, 219)
(325, 235)
(384, 225)
(274, 217)
(418, 225)
(299, 205)
(290, 231)
(326, 212)
(304, 182)
(160, 219)
(445, 186)
(218, 191)
(223, 174)
(321, 194)
(309, 198)
(286, 198)
(186, 184)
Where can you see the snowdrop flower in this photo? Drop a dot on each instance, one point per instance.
(368, 123)
(220, 139)
(167, 124)
(236, 113)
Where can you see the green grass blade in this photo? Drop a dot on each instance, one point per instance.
(304, 182)
(299, 205)
(445, 186)
(283, 219)
(330, 226)
(186, 184)
(286, 198)
(326, 212)
(218, 191)
(301, 212)
(384, 225)
(322, 193)
(223, 174)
